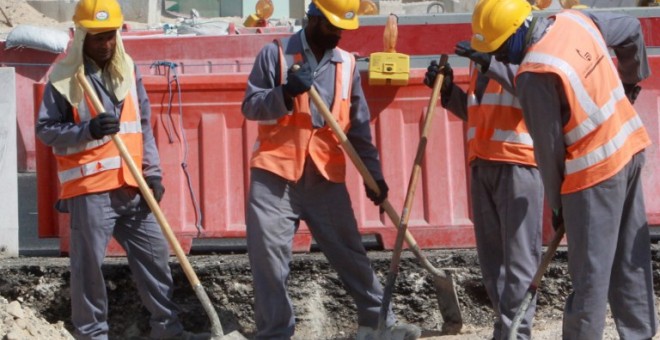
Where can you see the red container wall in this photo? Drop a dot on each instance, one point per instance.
(221, 54)
(213, 142)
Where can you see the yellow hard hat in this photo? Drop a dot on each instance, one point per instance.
(494, 21)
(340, 13)
(98, 15)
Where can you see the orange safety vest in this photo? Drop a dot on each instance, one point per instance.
(283, 144)
(96, 166)
(496, 130)
(604, 130)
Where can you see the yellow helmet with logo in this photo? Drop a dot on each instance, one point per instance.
(340, 13)
(494, 21)
(98, 15)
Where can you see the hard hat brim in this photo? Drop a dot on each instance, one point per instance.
(346, 24)
(487, 47)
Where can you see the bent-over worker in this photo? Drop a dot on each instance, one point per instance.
(589, 144)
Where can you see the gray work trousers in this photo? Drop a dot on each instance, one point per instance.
(507, 206)
(609, 258)
(274, 210)
(121, 213)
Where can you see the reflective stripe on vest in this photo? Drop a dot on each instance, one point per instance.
(604, 131)
(496, 130)
(282, 147)
(89, 169)
(96, 165)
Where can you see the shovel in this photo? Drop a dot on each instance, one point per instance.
(216, 327)
(536, 281)
(410, 194)
(442, 280)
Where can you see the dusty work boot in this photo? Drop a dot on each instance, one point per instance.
(185, 335)
(398, 331)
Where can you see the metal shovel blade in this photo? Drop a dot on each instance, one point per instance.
(448, 303)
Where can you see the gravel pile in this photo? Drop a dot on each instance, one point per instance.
(19, 322)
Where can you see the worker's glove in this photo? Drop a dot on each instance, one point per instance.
(432, 73)
(447, 82)
(299, 81)
(482, 60)
(156, 185)
(557, 218)
(103, 124)
(377, 199)
(632, 91)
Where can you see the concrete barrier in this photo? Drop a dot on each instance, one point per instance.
(8, 174)
(145, 11)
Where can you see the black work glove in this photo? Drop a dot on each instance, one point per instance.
(447, 82)
(299, 81)
(103, 124)
(377, 199)
(464, 49)
(557, 218)
(632, 91)
(156, 185)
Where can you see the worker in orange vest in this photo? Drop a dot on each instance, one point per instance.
(97, 188)
(506, 187)
(298, 169)
(589, 143)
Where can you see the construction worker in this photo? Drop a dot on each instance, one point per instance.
(589, 143)
(97, 189)
(506, 187)
(298, 169)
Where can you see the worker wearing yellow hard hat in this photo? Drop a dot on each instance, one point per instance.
(589, 143)
(298, 162)
(97, 189)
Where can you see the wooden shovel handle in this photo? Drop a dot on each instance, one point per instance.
(144, 188)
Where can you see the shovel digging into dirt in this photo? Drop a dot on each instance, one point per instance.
(216, 327)
(442, 280)
(410, 194)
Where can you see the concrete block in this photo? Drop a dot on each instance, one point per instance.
(143, 11)
(387, 7)
(61, 11)
(8, 164)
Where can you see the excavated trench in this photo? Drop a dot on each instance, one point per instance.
(323, 308)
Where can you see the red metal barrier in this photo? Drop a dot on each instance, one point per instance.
(218, 141)
(234, 53)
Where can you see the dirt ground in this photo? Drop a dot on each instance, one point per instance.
(323, 308)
